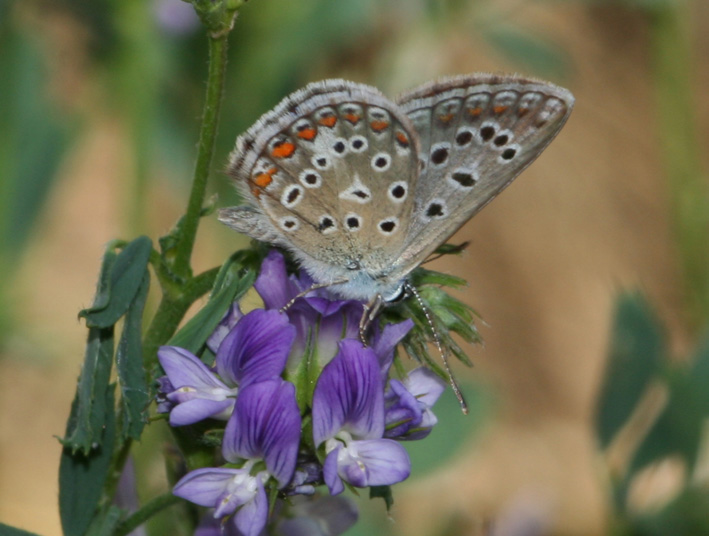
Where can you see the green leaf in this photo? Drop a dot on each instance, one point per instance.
(129, 364)
(235, 277)
(82, 475)
(88, 411)
(7, 530)
(534, 53)
(678, 430)
(382, 492)
(126, 277)
(636, 356)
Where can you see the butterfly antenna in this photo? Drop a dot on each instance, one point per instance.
(439, 345)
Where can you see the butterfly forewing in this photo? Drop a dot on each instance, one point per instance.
(328, 174)
(476, 134)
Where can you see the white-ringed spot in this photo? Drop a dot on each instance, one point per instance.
(353, 222)
(289, 224)
(310, 178)
(463, 178)
(440, 153)
(356, 192)
(327, 224)
(321, 161)
(339, 147)
(291, 196)
(509, 153)
(397, 191)
(435, 210)
(388, 226)
(381, 162)
(358, 144)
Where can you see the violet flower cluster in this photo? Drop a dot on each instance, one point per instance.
(283, 437)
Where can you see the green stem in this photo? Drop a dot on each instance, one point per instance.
(171, 311)
(151, 508)
(205, 152)
(672, 62)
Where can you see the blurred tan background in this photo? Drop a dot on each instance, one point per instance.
(545, 261)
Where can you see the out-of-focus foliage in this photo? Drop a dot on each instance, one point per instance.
(639, 369)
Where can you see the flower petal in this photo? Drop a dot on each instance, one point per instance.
(374, 462)
(273, 284)
(251, 518)
(231, 317)
(402, 412)
(384, 342)
(425, 385)
(198, 409)
(185, 369)
(349, 395)
(205, 486)
(256, 349)
(330, 475)
(265, 425)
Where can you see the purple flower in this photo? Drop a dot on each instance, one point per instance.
(265, 426)
(329, 320)
(318, 516)
(255, 350)
(408, 404)
(348, 416)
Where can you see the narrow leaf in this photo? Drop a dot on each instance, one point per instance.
(88, 411)
(129, 364)
(235, 277)
(7, 530)
(82, 475)
(636, 353)
(126, 277)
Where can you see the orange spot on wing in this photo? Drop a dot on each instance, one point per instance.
(307, 134)
(522, 112)
(353, 118)
(328, 121)
(263, 180)
(446, 118)
(402, 139)
(256, 192)
(378, 126)
(499, 109)
(475, 111)
(283, 150)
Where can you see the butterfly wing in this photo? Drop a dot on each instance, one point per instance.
(476, 133)
(327, 174)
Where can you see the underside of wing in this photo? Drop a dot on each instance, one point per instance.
(477, 133)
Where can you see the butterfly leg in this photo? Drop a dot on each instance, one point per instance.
(370, 312)
(308, 290)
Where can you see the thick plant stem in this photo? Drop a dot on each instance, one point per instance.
(689, 191)
(205, 153)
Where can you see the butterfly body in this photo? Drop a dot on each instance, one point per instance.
(361, 189)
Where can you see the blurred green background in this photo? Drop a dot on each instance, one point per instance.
(98, 126)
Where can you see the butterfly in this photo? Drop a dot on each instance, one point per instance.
(362, 189)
